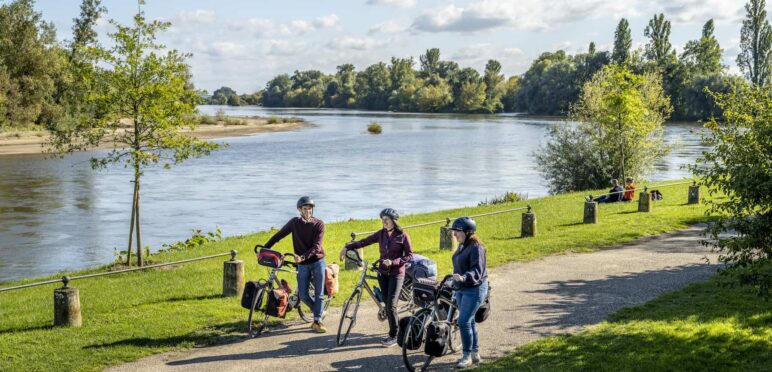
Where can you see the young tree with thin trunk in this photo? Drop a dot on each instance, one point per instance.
(622, 43)
(146, 102)
(755, 58)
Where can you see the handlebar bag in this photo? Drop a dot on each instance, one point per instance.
(270, 258)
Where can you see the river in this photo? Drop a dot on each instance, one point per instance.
(59, 214)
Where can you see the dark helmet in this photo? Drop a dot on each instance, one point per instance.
(306, 200)
(391, 213)
(464, 224)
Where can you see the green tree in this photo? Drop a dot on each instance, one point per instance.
(703, 56)
(755, 58)
(509, 99)
(434, 97)
(403, 84)
(549, 86)
(739, 167)
(620, 116)
(622, 43)
(147, 103)
(275, 90)
(658, 50)
(341, 89)
(493, 79)
(471, 97)
(372, 87)
(430, 63)
(32, 62)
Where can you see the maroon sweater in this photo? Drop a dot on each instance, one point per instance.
(396, 248)
(306, 238)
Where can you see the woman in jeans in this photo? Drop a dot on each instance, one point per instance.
(396, 251)
(471, 279)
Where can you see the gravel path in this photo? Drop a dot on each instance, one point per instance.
(554, 295)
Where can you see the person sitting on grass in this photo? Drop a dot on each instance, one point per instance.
(613, 196)
(629, 190)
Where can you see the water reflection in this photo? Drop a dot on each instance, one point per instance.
(58, 214)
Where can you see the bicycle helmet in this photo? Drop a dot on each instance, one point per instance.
(306, 200)
(465, 224)
(391, 213)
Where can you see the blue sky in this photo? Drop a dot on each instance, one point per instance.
(242, 44)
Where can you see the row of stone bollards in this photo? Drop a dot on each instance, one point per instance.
(644, 203)
(527, 230)
(67, 299)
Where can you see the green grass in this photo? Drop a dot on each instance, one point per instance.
(704, 327)
(128, 316)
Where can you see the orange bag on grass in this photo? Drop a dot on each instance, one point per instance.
(331, 279)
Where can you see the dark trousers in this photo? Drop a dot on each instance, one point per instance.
(390, 288)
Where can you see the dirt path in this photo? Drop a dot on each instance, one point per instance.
(555, 295)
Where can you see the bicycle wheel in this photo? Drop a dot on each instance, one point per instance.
(349, 316)
(307, 313)
(454, 342)
(406, 297)
(257, 306)
(413, 342)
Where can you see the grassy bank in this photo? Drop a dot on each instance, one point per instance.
(128, 316)
(704, 327)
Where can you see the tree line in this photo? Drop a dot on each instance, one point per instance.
(550, 86)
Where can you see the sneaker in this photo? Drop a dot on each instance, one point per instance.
(475, 357)
(318, 328)
(389, 342)
(464, 362)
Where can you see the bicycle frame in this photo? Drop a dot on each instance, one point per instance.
(364, 284)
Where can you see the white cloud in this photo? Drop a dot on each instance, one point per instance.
(356, 43)
(397, 3)
(523, 15)
(390, 27)
(285, 48)
(512, 52)
(692, 11)
(198, 16)
(327, 21)
(261, 26)
(472, 52)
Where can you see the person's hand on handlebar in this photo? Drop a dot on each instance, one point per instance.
(458, 278)
(343, 253)
(296, 257)
(386, 262)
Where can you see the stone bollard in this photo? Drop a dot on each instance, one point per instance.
(447, 241)
(351, 265)
(694, 193)
(528, 224)
(644, 201)
(591, 212)
(233, 277)
(67, 305)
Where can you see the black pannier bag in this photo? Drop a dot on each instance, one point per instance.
(485, 309)
(424, 291)
(437, 334)
(250, 291)
(415, 334)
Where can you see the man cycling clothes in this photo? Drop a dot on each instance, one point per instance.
(307, 235)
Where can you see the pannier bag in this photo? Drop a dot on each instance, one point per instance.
(277, 303)
(485, 309)
(250, 291)
(331, 279)
(437, 334)
(424, 291)
(414, 343)
(421, 267)
(270, 258)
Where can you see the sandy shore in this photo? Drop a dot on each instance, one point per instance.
(35, 142)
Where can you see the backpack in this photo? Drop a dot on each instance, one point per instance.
(250, 291)
(415, 340)
(656, 195)
(485, 309)
(277, 303)
(437, 334)
(331, 279)
(421, 267)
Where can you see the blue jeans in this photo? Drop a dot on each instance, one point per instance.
(312, 273)
(468, 301)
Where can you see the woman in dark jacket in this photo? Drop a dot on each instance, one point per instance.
(396, 251)
(471, 278)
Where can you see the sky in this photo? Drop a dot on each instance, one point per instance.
(243, 44)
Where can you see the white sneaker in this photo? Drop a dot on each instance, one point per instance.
(464, 362)
(475, 357)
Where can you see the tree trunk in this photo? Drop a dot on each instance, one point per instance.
(131, 225)
(139, 236)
